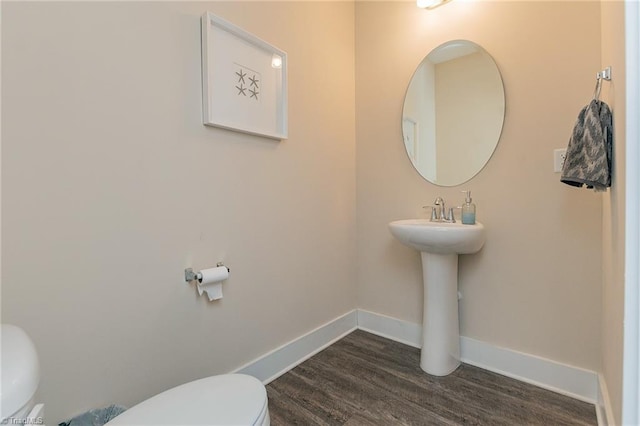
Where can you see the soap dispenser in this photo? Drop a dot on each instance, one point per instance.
(468, 210)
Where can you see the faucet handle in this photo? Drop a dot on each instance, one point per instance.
(434, 214)
(439, 201)
(451, 218)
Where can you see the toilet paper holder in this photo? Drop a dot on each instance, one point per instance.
(190, 275)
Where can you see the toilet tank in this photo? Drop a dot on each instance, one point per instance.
(20, 372)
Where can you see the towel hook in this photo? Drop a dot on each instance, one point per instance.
(596, 91)
(605, 74)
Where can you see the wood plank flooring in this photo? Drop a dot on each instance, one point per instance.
(364, 379)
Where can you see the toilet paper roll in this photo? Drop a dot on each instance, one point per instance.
(213, 275)
(209, 281)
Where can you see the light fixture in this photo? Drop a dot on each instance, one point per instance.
(276, 61)
(431, 4)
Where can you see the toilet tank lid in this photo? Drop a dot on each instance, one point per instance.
(228, 399)
(20, 370)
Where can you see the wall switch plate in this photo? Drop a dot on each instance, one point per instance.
(558, 159)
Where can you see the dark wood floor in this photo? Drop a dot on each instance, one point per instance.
(365, 379)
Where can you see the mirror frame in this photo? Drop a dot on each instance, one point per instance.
(495, 115)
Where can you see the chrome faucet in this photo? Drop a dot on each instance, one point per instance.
(439, 202)
(439, 212)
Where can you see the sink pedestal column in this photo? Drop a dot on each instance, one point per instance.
(440, 330)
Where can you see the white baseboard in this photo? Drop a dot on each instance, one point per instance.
(561, 378)
(391, 328)
(604, 410)
(277, 362)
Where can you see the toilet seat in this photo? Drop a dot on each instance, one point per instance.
(229, 399)
(20, 375)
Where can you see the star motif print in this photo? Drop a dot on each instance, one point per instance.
(247, 83)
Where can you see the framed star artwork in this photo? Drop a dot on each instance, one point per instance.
(244, 81)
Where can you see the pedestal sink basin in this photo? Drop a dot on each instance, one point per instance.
(439, 237)
(440, 243)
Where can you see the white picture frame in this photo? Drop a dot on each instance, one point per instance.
(244, 81)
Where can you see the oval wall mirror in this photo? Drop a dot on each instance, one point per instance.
(453, 113)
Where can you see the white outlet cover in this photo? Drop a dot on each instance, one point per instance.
(558, 159)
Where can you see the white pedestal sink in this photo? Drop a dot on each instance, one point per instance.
(440, 244)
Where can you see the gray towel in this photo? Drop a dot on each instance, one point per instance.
(588, 159)
(97, 417)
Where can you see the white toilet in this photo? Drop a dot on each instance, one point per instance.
(20, 378)
(226, 400)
